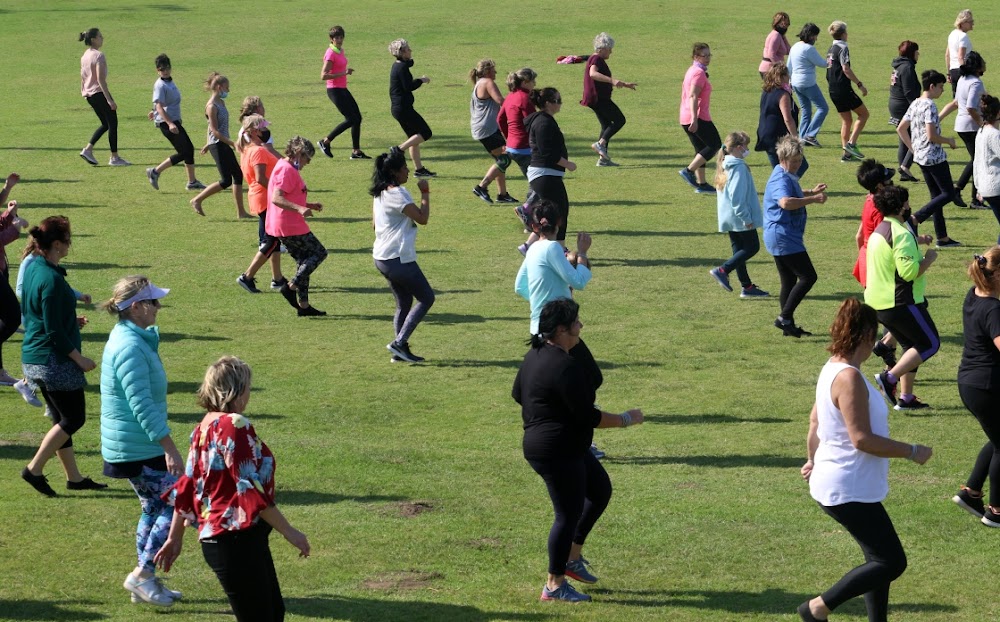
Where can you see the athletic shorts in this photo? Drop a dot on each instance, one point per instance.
(493, 141)
(412, 123)
(846, 101)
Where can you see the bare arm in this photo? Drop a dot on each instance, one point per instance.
(693, 100)
(260, 172)
(849, 74)
(794, 203)
(812, 443)
(903, 131)
(859, 236)
(785, 105)
(273, 517)
(609, 420)
(949, 108)
(422, 214)
(493, 92)
(279, 200)
(327, 73)
(935, 136)
(101, 70)
(213, 125)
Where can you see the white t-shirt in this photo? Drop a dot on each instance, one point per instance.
(842, 473)
(921, 112)
(968, 94)
(395, 232)
(957, 39)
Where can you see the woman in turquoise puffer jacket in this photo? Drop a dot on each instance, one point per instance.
(135, 437)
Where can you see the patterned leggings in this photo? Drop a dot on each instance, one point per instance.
(154, 524)
(308, 252)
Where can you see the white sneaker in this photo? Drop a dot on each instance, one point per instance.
(26, 392)
(174, 594)
(148, 590)
(119, 162)
(89, 157)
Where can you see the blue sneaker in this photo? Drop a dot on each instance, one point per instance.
(597, 453)
(721, 278)
(705, 189)
(689, 177)
(753, 292)
(576, 569)
(564, 592)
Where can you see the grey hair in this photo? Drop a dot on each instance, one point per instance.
(964, 17)
(603, 41)
(788, 147)
(397, 47)
(298, 146)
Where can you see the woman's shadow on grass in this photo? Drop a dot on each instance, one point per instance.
(49, 610)
(366, 609)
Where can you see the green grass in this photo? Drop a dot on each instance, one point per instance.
(710, 520)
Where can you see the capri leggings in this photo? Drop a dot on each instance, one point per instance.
(610, 116)
(181, 143)
(348, 107)
(154, 524)
(912, 327)
(308, 253)
(10, 312)
(108, 118)
(705, 140)
(552, 188)
(984, 404)
(68, 410)
(580, 490)
(225, 162)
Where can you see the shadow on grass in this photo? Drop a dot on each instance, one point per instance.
(613, 203)
(636, 234)
(696, 419)
(101, 266)
(21, 453)
(385, 290)
(192, 418)
(436, 318)
(367, 250)
(347, 219)
(366, 609)
(182, 386)
(55, 207)
(719, 462)
(771, 601)
(49, 610)
(476, 363)
(101, 337)
(309, 497)
(681, 262)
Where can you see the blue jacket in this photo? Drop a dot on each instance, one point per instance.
(738, 203)
(133, 395)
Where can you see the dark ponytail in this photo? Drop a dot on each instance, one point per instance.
(88, 35)
(52, 229)
(540, 97)
(545, 217)
(386, 167)
(559, 312)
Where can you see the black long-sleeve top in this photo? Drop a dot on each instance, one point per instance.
(402, 85)
(904, 87)
(556, 393)
(546, 139)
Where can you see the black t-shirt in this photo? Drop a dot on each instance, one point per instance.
(980, 366)
(556, 394)
(836, 58)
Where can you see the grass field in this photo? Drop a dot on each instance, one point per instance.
(409, 480)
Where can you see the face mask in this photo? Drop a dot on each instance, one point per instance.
(223, 94)
(265, 135)
(168, 79)
(781, 30)
(905, 215)
(297, 165)
(409, 63)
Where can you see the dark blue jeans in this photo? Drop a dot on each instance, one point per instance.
(407, 282)
(938, 180)
(745, 244)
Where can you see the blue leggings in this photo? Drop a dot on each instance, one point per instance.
(154, 524)
(407, 282)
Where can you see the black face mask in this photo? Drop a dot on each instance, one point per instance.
(265, 135)
(905, 215)
(781, 30)
(409, 62)
(168, 79)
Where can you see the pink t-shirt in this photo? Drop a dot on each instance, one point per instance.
(284, 223)
(776, 48)
(89, 62)
(339, 66)
(695, 76)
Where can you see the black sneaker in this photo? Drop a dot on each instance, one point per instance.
(279, 283)
(289, 295)
(977, 204)
(888, 388)
(906, 176)
(423, 173)
(248, 283)
(85, 484)
(958, 199)
(886, 353)
(705, 189)
(789, 329)
(972, 505)
(38, 482)
(325, 148)
(912, 404)
(310, 312)
(360, 155)
(947, 243)
(482, 193)
(506, 198)
(990, 518)
(402, 350)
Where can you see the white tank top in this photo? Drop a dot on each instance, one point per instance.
(841, 473)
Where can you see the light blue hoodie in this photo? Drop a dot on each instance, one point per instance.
(738, 202)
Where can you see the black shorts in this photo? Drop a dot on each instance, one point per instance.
(493, 142)
(912, 327)
(412, 123)
(846, 101)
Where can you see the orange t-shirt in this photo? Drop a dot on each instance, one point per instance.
(257, 194)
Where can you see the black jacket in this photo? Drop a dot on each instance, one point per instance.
(402, 85)
(546, 140)
(904, 86)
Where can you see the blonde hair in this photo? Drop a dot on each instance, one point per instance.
(250, 122)
(215, 79)
(773, 77)
(125, 288)
(298, 146)
(788, 147)
(516, 78)
(225, 381)
(733, 140)
(251, 105)
(985, 269)
(603, 41)
(481, 69)
(837, 29)
(396, 47)
(964, 17)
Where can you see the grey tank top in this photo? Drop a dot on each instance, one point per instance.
(484, 116)
(222, 122)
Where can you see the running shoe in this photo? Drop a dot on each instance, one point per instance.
(279, 283)
(565, 592)
(248, 283)
(482, 193)
(89, 157)
(721, 278)
(957, 200)
(195, 185)
(606, 162)
(886, 353)
(153, 177)
(506, 198)
(148, 590)
(85, 484)
(402, 350)
(325, 148)
(119, 161)
(423, 173)
(811, 141)
(360, 155)
(972, 505)
(888, 388)
(911, 404)
(905, 175)
(705, 189)
(689, 177)
(577, 569)
(38, 482)
(753, 292)
(852, 149)
(602, 150)
(947, 243)
(990, 518)
(27, 394)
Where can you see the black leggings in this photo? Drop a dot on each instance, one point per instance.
(885, 560)
(552, 188)
(938, 180)
(109, 121)
(580, 490)
(969, 138)
(985, 407)
(180, 142)
(10, 312)
(609, 116)
(242, 562)
(226, 164)
(705, 140)
(345, 103)
(68, 410)
(797, 278)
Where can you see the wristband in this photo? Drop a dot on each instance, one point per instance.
(913, 451)
(626, 419)
(581, 255)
